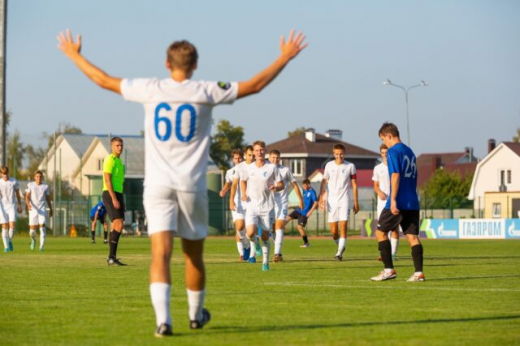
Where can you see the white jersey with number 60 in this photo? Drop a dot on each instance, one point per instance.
(177, 128)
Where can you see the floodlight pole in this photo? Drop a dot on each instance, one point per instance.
(406, 90)
(3, 116)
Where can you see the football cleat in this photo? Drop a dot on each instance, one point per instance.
(247, 252)
(10, 246)
(416, 278)
(305, 245)
(394, 257)
(105, 241)
(206, 317)
(379, 258)
(278, 258)
(383, 276)
(33, 244)
(265, 267)
(93, 242)
(6, 249)
(258, 249)
(41, 249)
(163, 330)
(111, 261)
(338, 258)
(252, 260)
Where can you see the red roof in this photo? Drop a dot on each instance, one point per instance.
(513, 146)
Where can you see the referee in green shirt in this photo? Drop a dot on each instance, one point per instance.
(113, 179)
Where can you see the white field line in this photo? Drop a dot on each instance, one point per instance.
(378, 285)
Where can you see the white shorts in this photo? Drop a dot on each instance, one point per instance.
(280, 211)
(264, 220)
(10, 211)
(4, 218)
(239, 214)
(37, 217)
(184, 213)
(338, 212)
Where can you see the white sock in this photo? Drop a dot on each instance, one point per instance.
(243, 238)
(11, 233)
(336, 241)
(394, 243)
(253, 252)
(160, 294)
(278, 242)
(5, 238)
(266, 247)
(32, 233)
(240, 248)
(42, 237)
(195, 304)
(342, 243)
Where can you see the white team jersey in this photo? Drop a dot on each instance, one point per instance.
(381, 175)
(8, 191)
(230, 176)
(177, 128)
(288, 179)
(259, 179)
(38, 195)
(339, 181)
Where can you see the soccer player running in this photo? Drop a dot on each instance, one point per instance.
(258, 182)
(281, 203)
(113, 199)
(36, 195)
(10, 191)
(97, 213)
(310, 203)
(339, 178)
(177, 140)
(402, 208)
(238, 214)
(382, 189)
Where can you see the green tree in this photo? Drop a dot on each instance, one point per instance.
(447, 190)
(15, 154)
(62, 128)
(516, 138)
(35, 156)
(296, 131)
(227, 138)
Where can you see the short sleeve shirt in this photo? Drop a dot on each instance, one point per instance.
(339, 181)
(287, 179)
(39, 194)
(177, 128)
(230, 176)
(8, 191)
(401, 159)
(259, 179)
(309, 198)
(113, 165)
(99, 208)
(381, 176)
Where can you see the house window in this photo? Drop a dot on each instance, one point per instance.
(100, 164)
(509, 176)
(497, 210)
(502, 177)
(297, 167)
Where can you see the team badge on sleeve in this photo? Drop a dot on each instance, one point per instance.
(224, 85)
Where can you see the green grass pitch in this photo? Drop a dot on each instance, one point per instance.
(69, 296)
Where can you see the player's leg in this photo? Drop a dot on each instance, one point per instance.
(12, 225)
(410, 226)
(279, 226)
(117, 218)
(342, 241)
(33, 223)
(105, 231)
(5, 237)
(43, 232)
(387, 222)
(93, 230)
(251, 232)
(394, 242)
(265, 222)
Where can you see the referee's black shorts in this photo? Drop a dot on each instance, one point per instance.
(112, 212)
(408, 219)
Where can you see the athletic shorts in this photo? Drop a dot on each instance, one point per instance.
(280, 211)
(112, 212)
(302, 219)
(10, 212)
(37, 217)
(264, 220)
(4, 218)
(99, 218)
(338, 212)
(407, 219)
(239, 213)
(186, 214)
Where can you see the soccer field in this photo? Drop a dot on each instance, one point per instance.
(69, 296)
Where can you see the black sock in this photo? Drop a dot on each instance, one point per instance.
(93, 235)
(385, 249)
(106, 235)
(305, 240)
(417, 256)
(114, 239)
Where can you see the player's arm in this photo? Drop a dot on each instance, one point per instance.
(394, 182)
(28, 200)
(322, 191)
(379, 192)
(225, 189)
(355, 190)
(73, 51)
(110, 187)
(298, 193)
(277, 186)
(49, 204)
(93, 226)
(19, 199)
(289, 50)
(243, 189)
(234, 186)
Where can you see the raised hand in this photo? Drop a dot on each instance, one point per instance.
(294, 44)
(67, 45)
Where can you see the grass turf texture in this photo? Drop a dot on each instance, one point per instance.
(69, 296)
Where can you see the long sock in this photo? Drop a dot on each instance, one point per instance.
(253, 252)
(278, 242)
(336, 241)
(385, 249)
(305, 240)
(11, 233)
(341, 246)
(114, 240)
(266, 247)
(5, 238)
(43, 233)
(105, 234)
(417, 256)
(240, 248)
(160, 294)
(93, 233)
(395, 244)
(245, 242)
(195, 304)
(32, 233)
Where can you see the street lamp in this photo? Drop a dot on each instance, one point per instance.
(422, 84)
